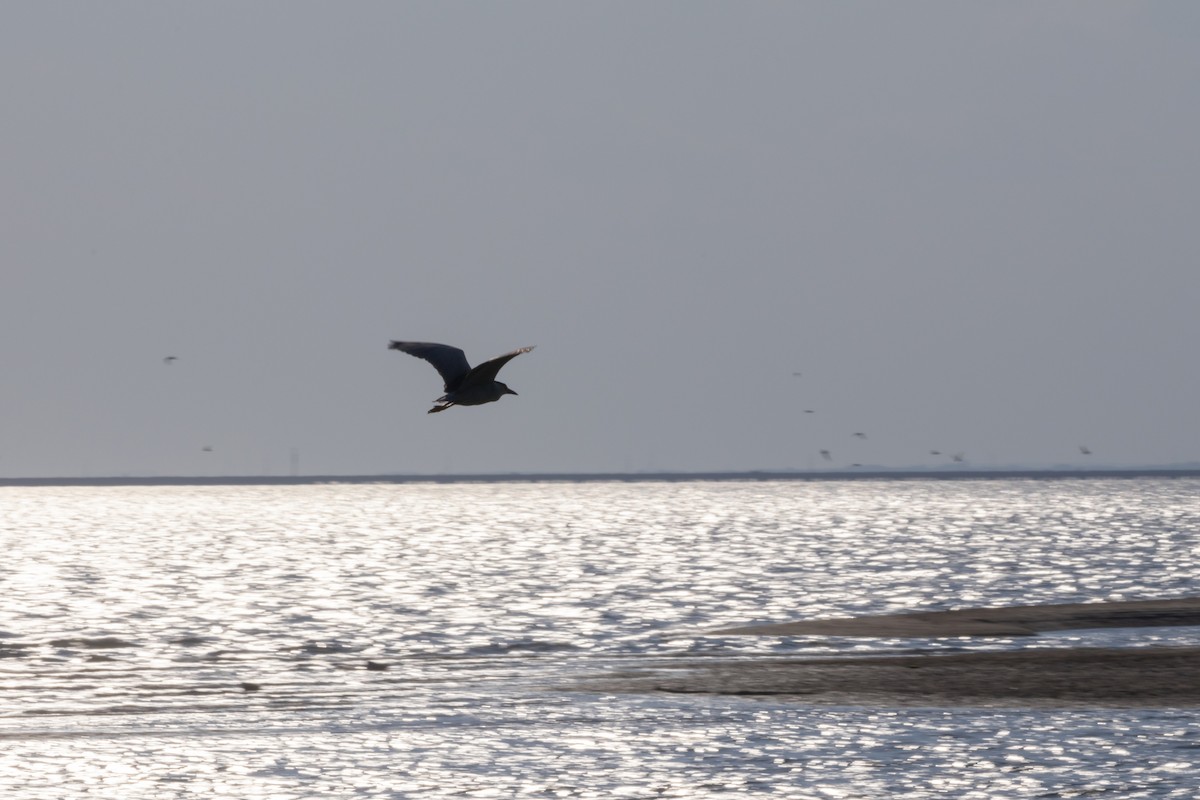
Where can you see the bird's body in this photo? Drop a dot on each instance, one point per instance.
(464, 385)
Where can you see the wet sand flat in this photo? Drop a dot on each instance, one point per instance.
(1052, 677)
(1131, 676)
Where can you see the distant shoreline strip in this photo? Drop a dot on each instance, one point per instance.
(618, 477)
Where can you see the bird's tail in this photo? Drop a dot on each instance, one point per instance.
(438, 408)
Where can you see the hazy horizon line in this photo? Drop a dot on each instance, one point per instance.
(1191, 469)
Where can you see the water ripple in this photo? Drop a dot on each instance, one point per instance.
(405, 640)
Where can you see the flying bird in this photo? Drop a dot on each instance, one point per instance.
(464, 385)
(169, 359)
(861, 435)
(825, 454)
(1083, 448)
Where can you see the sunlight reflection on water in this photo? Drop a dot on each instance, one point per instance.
(406, 639)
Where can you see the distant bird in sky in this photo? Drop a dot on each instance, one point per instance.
(797, 374)
(464, 385)
(959, 457)
(1083, 448)
(825, 454)
(861, 435)
(207, 448)
(809, 411)
(170, 359)
(935, 452)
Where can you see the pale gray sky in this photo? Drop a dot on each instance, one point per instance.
(972, 227)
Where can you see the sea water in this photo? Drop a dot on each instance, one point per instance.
(435, 639)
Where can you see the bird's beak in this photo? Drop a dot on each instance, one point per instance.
(509, 391)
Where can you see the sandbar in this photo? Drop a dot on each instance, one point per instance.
(1001, 621)
(1029, 676)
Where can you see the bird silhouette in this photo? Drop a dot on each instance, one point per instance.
(168, 360)
(825, 454)
(464, 385)
(1083, 448)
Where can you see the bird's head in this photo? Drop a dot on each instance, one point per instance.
(504, 388)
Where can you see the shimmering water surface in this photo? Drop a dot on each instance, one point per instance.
(423, 640)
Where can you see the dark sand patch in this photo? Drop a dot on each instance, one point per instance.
(1052, 677)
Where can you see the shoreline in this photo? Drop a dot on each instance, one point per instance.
(848, 474)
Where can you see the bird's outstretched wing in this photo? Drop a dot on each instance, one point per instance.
(450, 362)
(486, 372)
